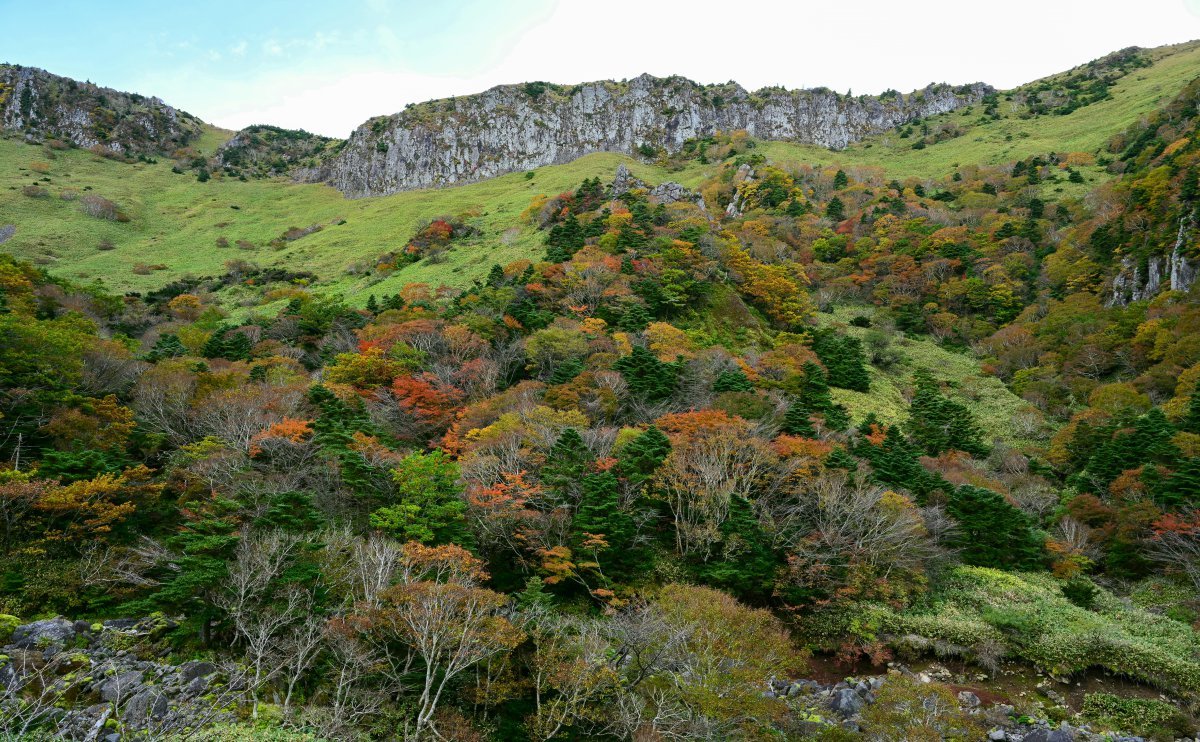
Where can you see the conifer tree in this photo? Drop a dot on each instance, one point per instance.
(634, 319)
(744, 563)
(991, 532)
(567, 462)
(938, 424)
(1180, 489)
(840, 180)
(835, 209)
(843, 359)
(796, 420)
(647, 377)
(429, 506)
(1191, 419)
(642, 456)
(599, 513)
(732, 381)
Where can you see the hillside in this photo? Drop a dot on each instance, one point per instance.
(723, 437)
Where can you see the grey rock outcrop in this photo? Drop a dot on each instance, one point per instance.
(42, 634)
(1173, 271)
(520, 127)
(41, 106)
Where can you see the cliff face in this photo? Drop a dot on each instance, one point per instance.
(40, 105)
(519, 127)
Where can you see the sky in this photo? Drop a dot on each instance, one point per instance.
(327, 67)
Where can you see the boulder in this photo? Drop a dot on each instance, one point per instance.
(847, 702)
(50, 632)
(124, 684)
(968, 699)
(150, 704)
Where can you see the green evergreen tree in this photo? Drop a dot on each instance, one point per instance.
(168, 345)
(647, 377)
(372, 304)
(1123, 447)
(796, 420)
(840, 180)
(1191, 419)
(991, 532)
(642, 456)
(840, 458)
(843, 358)
(634, 319)
(567, 462)
(566, 371)
(835, 209)
(1181, 488)
(732, 381)
(429, 508)
(937, 423)
(291, 511)
(744, 563)
(896, 463)
(599, 513)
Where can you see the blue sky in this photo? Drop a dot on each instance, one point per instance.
(328, 66)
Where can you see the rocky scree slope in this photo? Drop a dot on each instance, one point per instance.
(42, 106)
(519, 127)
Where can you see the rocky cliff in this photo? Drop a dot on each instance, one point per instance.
(42, 106)
(519, 127)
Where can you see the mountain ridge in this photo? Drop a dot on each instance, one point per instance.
(521, 127)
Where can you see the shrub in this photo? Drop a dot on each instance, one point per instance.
(101, 208)
(1142, 716)
(906, 708)
(106, 245)
(35, 191)
(1027, 614)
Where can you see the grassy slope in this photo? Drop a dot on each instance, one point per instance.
(993, 404)
(1012, 138)
(176, 220)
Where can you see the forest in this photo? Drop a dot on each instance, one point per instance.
(699, 469)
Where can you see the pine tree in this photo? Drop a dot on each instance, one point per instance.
(647, 377)
(1191, 419)
(1180, 489)
(429, 506)
(744, 563)
(634, 319)
(938, 424)
(840, 180)
(1148, 442)
(796, 420)
(291, 511)
(840, 458)
(372, 304)
(991, 532)
(168, 345)
(732, 381)
(599, 513)
(642, 456)
(566, 371)
(567, 462)
(843, 358)
(835, 209)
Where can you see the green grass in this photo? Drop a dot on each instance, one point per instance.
(995, 407)
(175, 221)
(1029, 616)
